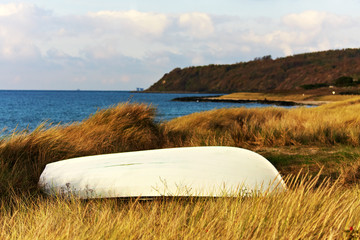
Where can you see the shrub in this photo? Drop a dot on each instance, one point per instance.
(344, 81)
(314, 86)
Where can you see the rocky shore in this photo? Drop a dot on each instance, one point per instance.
(264, 101)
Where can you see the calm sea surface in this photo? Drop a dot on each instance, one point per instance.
(27, 109)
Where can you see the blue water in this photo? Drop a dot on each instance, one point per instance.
(27, 109)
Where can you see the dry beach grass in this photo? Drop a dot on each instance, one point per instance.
(306, 97)
(335, 123)
(126, 127)
(306, 211)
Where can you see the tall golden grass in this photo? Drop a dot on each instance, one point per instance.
(330, 124)
(125, 127)
(328, 211)
(130, 127)
(306, 211)
(287, 96)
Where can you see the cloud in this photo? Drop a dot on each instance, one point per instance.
(129, 49)
(138, 23)
(306, 31)
(308, 20)
(198, 25)
(20, 26)
(313, 20)
(11, 9)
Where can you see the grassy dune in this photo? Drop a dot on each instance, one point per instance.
(289, 97)
(324, 137)
(23, 156)
(303, 212)
(330, 124)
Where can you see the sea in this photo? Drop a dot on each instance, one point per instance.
(26, 109)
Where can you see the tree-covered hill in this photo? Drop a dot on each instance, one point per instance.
(316, 69)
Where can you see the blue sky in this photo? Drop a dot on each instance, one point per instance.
(228, 7)
(121, 45)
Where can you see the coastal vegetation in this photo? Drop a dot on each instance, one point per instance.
(305, 98)
(315, 149)
(329, 211)
(264, 127)
(299, 72)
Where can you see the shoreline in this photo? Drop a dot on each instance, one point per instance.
(264, 101)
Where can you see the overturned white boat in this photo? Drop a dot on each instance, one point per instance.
(188, 171)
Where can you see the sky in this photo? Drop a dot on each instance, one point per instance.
(122, 45)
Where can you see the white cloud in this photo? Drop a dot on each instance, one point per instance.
(134, 21)
(198, 25)
(11, 9)
(80, 79)
(19, 24)
(308, 20)
(128, 49)
(21, 10)
(102, 52)
(314, 20)
(125, 78)
(20, 51)
(197, 60)
(306, 31)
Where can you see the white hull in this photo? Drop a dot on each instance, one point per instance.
(191, 171)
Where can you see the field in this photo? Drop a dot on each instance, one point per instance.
(316, 97)
(315, 149)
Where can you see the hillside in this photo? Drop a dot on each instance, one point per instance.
(265, 74)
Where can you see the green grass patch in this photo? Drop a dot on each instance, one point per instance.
(332, 161)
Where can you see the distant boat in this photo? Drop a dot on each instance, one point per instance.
(188, 171)
(139, 89)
